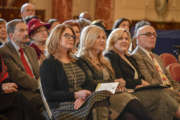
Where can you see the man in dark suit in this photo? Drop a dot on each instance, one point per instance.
(14, 106)
(21, 61)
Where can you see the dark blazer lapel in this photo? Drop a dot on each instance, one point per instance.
(128, 66)
(12, 51)
(123, 62)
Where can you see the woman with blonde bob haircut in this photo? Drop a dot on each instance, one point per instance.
(92, 45)
(88, 40)
(114, 36)
(126, 68)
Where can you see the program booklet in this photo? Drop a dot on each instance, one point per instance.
(107, 86)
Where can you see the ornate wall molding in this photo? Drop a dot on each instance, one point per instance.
(161, 7)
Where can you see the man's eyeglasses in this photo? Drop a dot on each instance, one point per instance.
(69, 36)
(149, 34)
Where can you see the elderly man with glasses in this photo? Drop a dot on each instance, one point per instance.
(150, 64)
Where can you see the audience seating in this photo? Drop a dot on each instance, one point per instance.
(50, 115)
(174, 70)
(168, 58)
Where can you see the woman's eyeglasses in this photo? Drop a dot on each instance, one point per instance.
(69, 36)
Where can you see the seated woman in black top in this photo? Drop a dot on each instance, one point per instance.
(125, 67)
(14, 106)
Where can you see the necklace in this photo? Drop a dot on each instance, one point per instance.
(95, 61)
(70, 71)
(74, 76)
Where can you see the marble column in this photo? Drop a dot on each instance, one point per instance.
(104, 10)
(62, 9)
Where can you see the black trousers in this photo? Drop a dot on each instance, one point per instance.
(134, 111)
(15, 106)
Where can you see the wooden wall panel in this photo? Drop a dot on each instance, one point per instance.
(62, 9)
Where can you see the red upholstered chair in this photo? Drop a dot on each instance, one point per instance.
(174, 70)
(168, 58)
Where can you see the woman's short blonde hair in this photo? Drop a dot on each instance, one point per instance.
(88, 38)
(53, 41)
(114, 36)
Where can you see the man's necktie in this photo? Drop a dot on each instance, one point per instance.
(26, 66)
(164, 79)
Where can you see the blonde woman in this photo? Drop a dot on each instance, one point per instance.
(126, 68)
(92, 45)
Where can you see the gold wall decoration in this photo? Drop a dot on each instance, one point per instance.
(161, 7)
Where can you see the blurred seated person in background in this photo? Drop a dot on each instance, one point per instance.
(92, 45)
(122, 23)
(3, 32)
(29, 18)
(27, 9)
(53, 22)
(14, 106)
(22, 61)
(85, 15)
(75, 17)
(38, 33)
(126, 68)
(101, 24)
(83, 22)
(76, 27)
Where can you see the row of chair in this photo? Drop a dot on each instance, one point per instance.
(169, 61)
(172, 65)
(48, 113)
